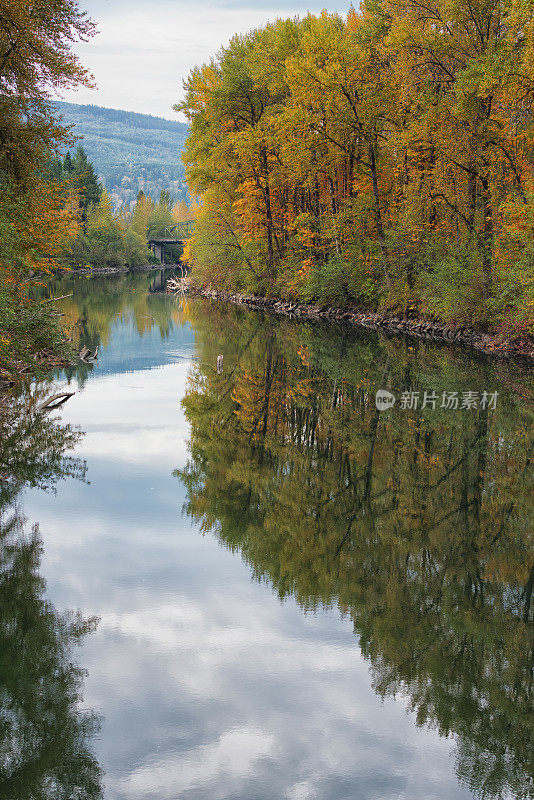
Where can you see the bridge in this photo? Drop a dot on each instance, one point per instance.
(182, 232)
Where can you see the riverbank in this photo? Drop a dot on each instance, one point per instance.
(44, 362)
(33, 340)
(85, 271)
(495, 345)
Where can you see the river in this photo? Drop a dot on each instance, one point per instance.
(250, 583)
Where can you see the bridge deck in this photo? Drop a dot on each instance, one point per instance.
(166, 241)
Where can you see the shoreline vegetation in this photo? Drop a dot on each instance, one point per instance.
(381, 162)
(37, 214)
(445, 333)
(54, 213)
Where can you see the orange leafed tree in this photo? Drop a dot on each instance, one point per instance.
(37, 216)
(35, 59)
(374, 160)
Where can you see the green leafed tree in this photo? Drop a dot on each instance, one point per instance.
(89, 187)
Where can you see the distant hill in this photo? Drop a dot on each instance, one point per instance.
(130, 151)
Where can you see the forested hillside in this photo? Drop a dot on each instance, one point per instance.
(130, 151)
(103, 236)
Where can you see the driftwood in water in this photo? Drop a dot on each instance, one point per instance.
(178, 284)
(53, 299)
(55, 401)
(88, 356)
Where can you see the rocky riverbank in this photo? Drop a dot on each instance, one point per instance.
(447, 333)
(97, 271)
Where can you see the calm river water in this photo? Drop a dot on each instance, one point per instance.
(252, 584)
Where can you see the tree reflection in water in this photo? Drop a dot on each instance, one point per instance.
(417, 524)
(44, 737)
(97, 304)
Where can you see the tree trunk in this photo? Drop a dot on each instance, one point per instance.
(378, 215)
(333, 209)
(487, 239)
(472, 195)
(268, 215)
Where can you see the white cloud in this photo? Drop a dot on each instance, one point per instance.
(143, 53)
(256, 702)
(233, 755)
(115, 412)
(301, 791)
(210, 643)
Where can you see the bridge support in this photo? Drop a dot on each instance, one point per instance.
(158, 247)
(182, 230)
(158, 250)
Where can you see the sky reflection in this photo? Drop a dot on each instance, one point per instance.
(208, 685)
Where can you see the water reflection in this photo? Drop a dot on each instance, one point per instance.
(44, 737)
(417, 524)
(100, 306)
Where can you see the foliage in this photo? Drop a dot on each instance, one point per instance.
(44, 735)
(90, 190)
(32, 339)
(36, 57)
(383, 159)
(112, 238)
(34, 229)
(38, 212)
(102, 242)
(416, 524)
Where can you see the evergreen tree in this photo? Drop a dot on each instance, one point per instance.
(88, 184)
(165, 200)
(68, 166)
(53, 169)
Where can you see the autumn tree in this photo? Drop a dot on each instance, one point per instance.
(465, 75)
(381, 160)
(36, 58)
(37, 212)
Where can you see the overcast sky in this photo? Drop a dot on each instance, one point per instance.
(145, 48)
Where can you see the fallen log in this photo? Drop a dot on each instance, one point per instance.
(55, 401)
(87, 355)
(53, 299)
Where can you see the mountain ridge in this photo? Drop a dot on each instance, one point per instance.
(135, 118)
(130, 151)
